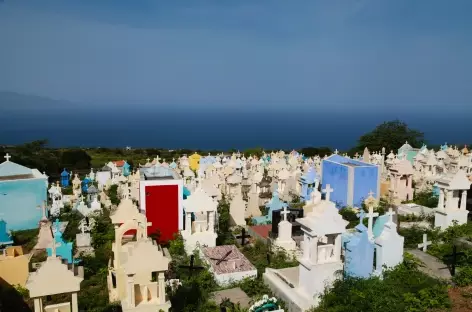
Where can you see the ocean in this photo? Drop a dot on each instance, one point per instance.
(208, 130)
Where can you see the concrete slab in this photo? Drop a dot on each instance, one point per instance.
(235, 295)
(432, 265)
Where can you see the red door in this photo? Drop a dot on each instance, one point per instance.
(162, 209)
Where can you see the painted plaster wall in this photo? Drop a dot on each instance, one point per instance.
(336, 175)
(365, 180)
(19, 201)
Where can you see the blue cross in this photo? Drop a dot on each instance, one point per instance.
(361, 216)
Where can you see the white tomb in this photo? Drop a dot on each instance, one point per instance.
(389, 246)
(200, 232)
(301, 286)
(285, 240)
(452, 200)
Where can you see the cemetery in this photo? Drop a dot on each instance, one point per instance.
(277, 231)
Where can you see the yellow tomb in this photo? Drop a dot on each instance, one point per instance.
(194, 161)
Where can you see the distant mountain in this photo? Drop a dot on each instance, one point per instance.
(12, 101)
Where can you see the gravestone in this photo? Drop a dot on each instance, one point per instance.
(294, 213)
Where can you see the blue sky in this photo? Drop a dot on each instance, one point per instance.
(313, 55)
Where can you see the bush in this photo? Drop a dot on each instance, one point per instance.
(463, 277)
(402, 289)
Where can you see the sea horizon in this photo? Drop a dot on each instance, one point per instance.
(211, 129)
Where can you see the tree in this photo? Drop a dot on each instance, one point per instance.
(391, 135)
(76, 159)
(313, 151)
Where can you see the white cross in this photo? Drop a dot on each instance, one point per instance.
(328, 191)
(285, 212)
(390, 214)
(425, 243)
(7, 157)
(336, 151)
(370, 217)
(371, 194)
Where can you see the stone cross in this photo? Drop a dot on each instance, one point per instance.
(336, 151)
(328, 190)
(285, 212)
(7, 157)
(371, 216)
(425, 243)
(390, 214)
(361, 216)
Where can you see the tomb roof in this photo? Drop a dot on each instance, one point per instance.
(53, 277)
(234, 262)
(199, 201)
(11, 169)
(347, 161)
(146, 256)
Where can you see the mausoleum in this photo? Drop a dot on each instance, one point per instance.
(22, 192)
(351, 179)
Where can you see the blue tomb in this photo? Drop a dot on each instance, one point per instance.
(63, 248)
(85, 185)
(274, 204)
(359, 251)
(350, 179)
(308, 181)
(126, 169)
(5, 238)
(65, 178)
(22, 192)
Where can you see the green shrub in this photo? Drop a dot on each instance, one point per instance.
(464, 276)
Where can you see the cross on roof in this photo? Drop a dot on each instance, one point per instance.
(425, 243)
(328, 190)
(336, 151)
(7, 157)
(371, 194)
(285, 212)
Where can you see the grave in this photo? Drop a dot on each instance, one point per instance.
(293, 214)
(235, 295)
(228, 264)
(358, 251)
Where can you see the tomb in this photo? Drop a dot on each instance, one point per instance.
(351, 179)
(452, 200)
(389, 246)
(228, 264)
(22, 192)
(401, 180)
(161, 200)
(60, 248)
(293, 214)
(358, 251)
(409, 153)
(284, 239)
(321, 259)
(14, 266)
(136, 271)
(53, 278)
(237, 209)
(274, 204)
(201, 231)
(65, 176)
(5, 237)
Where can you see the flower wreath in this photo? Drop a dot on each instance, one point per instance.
(261, 303)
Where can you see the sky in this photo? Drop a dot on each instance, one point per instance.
(349, 55)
